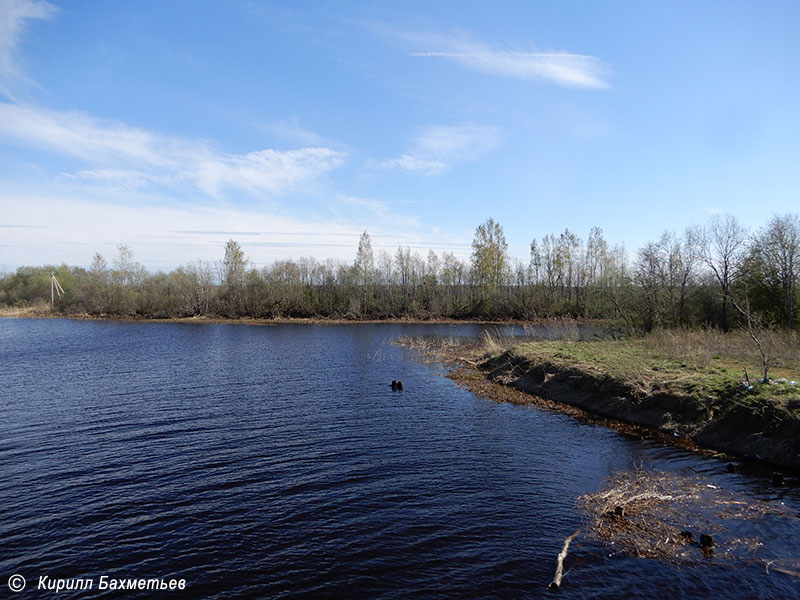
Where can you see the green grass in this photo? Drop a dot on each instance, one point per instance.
(708, 365)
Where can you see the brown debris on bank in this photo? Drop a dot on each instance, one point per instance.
(680, 519)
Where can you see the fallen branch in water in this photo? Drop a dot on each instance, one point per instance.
(653, 514)
(771, 565)
(556, 583)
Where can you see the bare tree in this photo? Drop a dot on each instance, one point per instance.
(778, 245)
(758, 333)
(536, 261)
(126, 270)
(432, 267)
(595, 256)
(649, 276)
(126, 279)
(724, 242)
(385, 269)
(691, 254)
(195, 282)
(568, 257)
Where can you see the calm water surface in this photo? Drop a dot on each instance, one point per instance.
(276, 462)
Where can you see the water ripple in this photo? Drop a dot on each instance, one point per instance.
(276, 462)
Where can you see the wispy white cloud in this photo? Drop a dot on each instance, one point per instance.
(270, 171)
(292, 131)
(371, 213)
(124, 178)
(133, 157)
(53, 229)
(458, 143)
(439, 147)
(411, 163)
(369, 205)
(13, 17)
(76, 228)
(563, 68)
(95, 140)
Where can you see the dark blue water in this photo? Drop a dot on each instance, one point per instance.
(276, 462)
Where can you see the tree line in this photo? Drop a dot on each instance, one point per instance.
(718, 275)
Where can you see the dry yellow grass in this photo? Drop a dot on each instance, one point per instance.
(37, 310)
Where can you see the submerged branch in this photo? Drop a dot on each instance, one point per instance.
(556, 583)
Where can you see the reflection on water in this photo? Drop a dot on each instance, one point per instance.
(276, 461)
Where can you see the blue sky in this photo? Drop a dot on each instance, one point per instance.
(294, 126)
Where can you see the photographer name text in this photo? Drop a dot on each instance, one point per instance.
(105, 582)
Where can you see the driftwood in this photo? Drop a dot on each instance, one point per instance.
(556, 583)
(679, 519)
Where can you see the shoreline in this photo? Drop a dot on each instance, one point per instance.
(733, 424)
(724, 420)
(765, 432)
(37, 313)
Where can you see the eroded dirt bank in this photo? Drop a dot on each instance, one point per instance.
(733, 422)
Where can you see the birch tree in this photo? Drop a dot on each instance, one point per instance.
(490, 255)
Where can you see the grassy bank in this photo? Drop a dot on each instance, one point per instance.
(683, 387)
(39, 310)
(691, 385)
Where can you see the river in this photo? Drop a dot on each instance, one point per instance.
(277, 462)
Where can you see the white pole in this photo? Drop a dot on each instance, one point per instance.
(55, 288)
